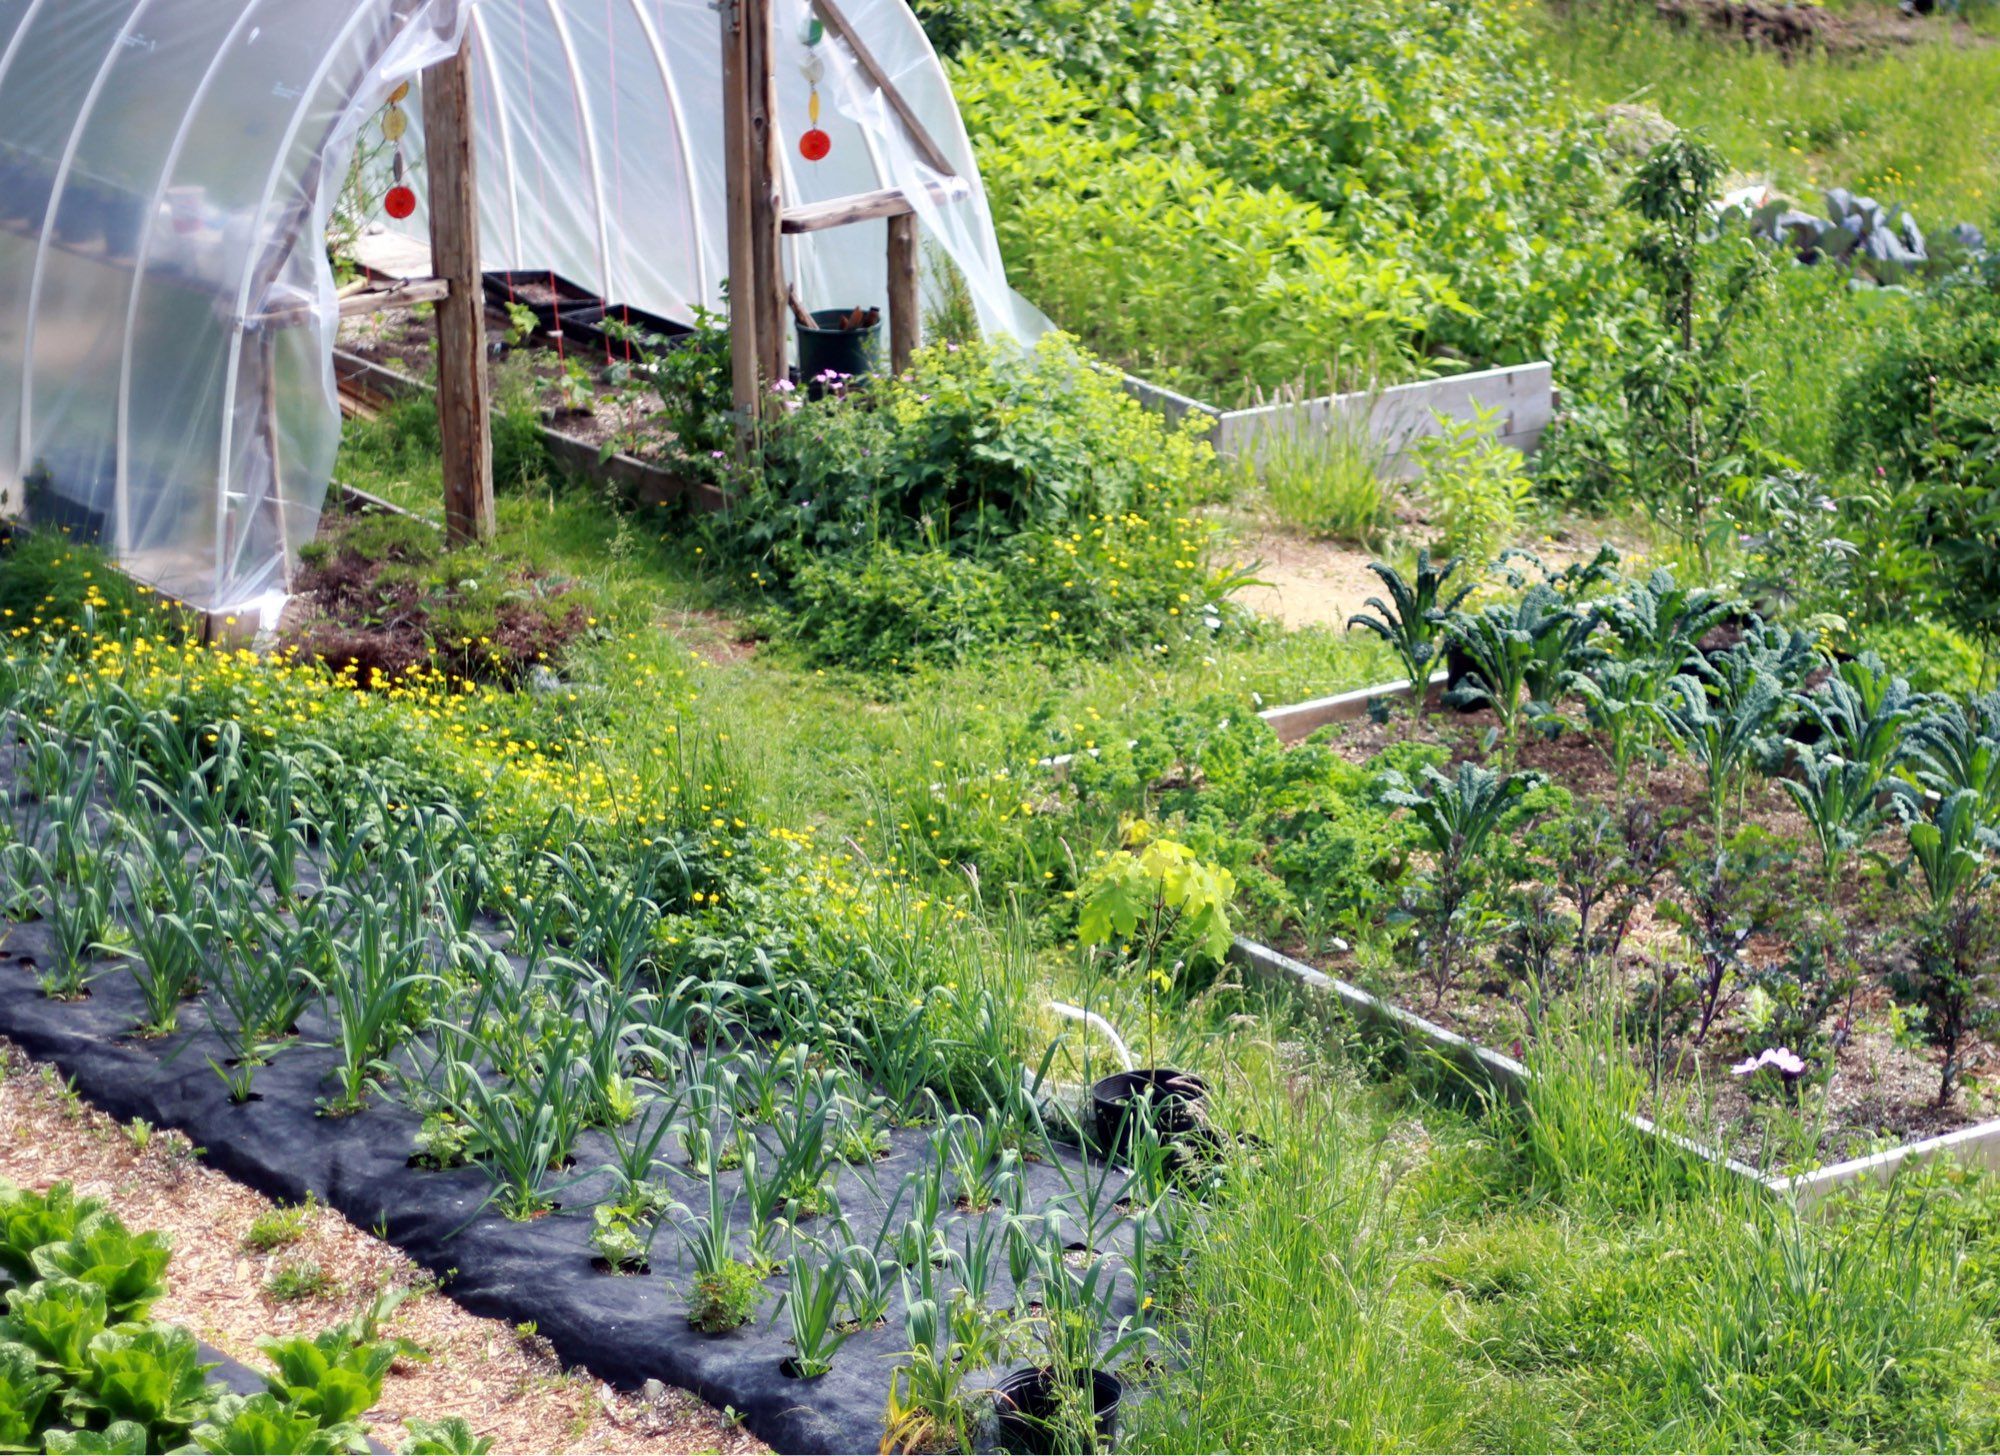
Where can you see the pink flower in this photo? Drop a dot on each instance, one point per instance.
(1781, 1059)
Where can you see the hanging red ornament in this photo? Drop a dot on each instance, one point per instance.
(400, 202)
(815, 144)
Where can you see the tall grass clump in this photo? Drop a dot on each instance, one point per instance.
(1296, 1332)
(1326, 480)
(1576, 1133)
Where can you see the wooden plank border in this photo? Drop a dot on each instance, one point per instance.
(642, 481)
(1398, 415)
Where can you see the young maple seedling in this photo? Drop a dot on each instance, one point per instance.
(1146, 896)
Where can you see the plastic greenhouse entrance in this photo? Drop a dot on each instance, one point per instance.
(169, 170)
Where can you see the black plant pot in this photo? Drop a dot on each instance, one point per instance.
(1458, 668)
(122, 225)
(1025, 1403)
(827, 348)
(1177, 1100)
(79, 215)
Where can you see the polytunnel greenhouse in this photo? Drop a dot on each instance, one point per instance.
(169, 170)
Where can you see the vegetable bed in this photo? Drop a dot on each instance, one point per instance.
(1764, 874)
(671, 1175)
(84, 1369)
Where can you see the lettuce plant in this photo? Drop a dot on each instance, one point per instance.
(329, 1377)
(30, 1220)
(151, 1376)
(56, 1320)
(130, 1268)
(264, 1425)
(24, 1390)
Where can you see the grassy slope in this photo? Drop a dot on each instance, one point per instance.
(819, 744)
(1917, 124)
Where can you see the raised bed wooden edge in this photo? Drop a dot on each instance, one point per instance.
(644, 483)
(1397, 416)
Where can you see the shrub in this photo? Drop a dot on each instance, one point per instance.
(1478, 487)
(1927, 403)
(1688, 398)
(1925, 412)
(895, 608)
(988, 497)
(1182, 273)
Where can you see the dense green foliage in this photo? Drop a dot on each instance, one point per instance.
(1923, 414)
(989, 498)
(1353, 189)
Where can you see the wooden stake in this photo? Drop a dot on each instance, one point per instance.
(464, 423)
(905, 304)
(750, 160)
(766, 208)
(799, 314)
(736, 175)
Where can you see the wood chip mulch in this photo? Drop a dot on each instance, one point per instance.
(505, 1382)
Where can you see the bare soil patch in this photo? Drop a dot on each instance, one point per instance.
(568, 381)
(1308, 581)
(378, 594)
(1795, 30)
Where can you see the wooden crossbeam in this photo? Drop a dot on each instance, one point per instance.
(841, 211)
(836, 212)
(404, 294)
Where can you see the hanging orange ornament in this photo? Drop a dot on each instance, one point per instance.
(400, 203)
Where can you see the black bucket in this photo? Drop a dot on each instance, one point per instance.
(828, 348)
(1025, 1403)
(1177, 1100)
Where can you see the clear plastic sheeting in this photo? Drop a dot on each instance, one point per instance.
(600, 154)
(168, 169)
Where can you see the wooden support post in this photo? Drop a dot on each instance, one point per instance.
(758, 298)
(905, 305)
(464, 423)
